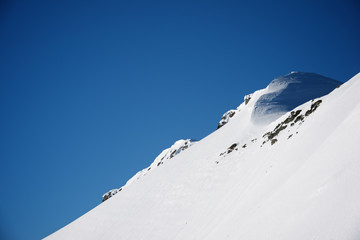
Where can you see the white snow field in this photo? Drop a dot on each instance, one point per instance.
(257, 177)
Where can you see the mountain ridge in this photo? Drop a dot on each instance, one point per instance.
(290, 84)
(300, 187)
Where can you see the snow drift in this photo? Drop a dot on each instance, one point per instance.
(295, 177)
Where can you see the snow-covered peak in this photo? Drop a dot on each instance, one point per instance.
(287, 92)
(164, 156)
(281, 96)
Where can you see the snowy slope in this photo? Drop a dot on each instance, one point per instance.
(163, 157)
(239, 183)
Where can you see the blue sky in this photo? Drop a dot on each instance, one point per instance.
(91, 93)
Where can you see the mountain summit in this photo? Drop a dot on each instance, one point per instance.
(287, 92)
(283, 165)
(282, 95)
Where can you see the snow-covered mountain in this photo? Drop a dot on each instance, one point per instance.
(284, 165)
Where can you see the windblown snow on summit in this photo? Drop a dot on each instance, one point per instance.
(287, 92)
(282, 95)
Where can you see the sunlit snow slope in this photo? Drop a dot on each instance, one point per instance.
(163, 157)
(294, 178)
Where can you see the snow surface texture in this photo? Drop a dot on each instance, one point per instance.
(302, 186)
(165, 155)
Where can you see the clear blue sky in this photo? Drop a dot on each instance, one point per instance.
(92, 91)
